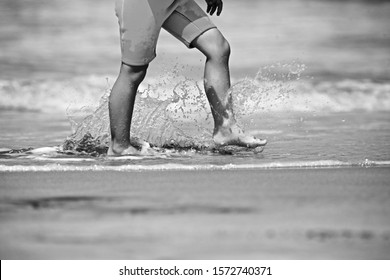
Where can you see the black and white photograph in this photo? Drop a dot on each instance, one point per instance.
(195, 130)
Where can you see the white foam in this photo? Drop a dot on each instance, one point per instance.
(42, 158)
(44, 150)
(264, 132)
(193, 167)
(84, 92)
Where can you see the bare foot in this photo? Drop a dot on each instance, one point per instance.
(117, 150)
(136, 147)
(231, 134)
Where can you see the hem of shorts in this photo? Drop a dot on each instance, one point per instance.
(189, 44)
(202, 25)
(137, 63)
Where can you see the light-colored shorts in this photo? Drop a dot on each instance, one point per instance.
(140, 23)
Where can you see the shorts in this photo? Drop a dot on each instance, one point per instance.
(140, 23)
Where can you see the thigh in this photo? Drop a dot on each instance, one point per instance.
(140, 23)
(187, 22)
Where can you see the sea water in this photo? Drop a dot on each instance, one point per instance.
(306, 125)
(319, 94)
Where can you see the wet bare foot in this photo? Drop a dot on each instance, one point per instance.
(233, 135)
(137, 147)
(118, 150)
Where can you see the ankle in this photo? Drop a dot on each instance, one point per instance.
(225, 125)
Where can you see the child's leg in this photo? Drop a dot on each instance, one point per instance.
(216, 74)
(217, 83)
(121, 105)
(140, 24)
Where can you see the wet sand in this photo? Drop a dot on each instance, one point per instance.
(338, 213)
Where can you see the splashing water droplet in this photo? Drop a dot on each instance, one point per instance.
(173, 111)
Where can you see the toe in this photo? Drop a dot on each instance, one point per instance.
(262, 142)
(256, 143)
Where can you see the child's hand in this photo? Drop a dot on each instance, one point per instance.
(214, 5)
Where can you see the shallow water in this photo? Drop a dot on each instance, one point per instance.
(295, 140)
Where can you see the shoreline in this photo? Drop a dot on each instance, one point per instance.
(178, 167)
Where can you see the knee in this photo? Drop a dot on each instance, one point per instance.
(225, 47)
(218, 48)
(135, 74)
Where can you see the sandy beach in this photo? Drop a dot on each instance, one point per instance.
(327, 213)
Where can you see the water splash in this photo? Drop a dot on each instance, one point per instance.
(175, 117)
(271, 88)
(173, 111)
